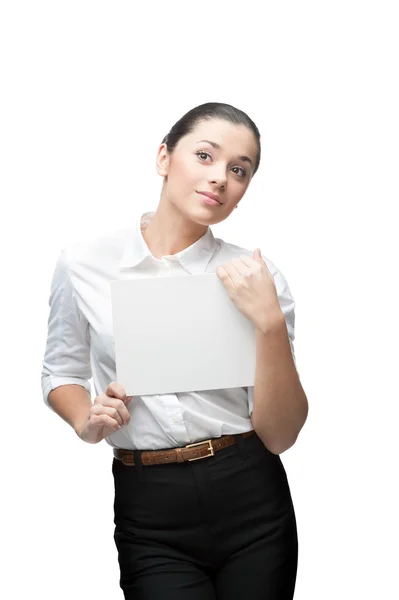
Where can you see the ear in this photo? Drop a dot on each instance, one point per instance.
(162, 162)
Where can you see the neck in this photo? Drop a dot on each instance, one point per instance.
(170, 231)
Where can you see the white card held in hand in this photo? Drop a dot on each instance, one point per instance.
(180, 334)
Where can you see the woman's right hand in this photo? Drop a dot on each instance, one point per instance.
(107, 414)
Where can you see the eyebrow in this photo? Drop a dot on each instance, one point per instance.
(215, 145)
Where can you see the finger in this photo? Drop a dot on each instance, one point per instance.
(104, 420)
(226, 274)
(116, 390)
(119, 405)
(248, 261)
(107, 421)
(259, 259)
(241, 266)
(101, 409)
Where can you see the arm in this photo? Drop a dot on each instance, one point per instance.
(280, 404)
(72, 403)
(66, 368)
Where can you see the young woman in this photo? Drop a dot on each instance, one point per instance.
(203, 509)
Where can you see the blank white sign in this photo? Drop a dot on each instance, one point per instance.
(180, 334)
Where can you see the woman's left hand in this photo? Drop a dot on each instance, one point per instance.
(251, 287)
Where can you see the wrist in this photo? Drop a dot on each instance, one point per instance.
(79, 425)
(272, 321)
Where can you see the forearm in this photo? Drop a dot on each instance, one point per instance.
(280, 404)
(72, 403)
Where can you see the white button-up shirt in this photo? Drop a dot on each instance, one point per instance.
(80, 344)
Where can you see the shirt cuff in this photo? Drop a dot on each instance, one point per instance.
(50, 382)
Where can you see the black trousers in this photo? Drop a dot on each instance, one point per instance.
(221, 528)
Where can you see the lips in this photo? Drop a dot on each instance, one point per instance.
(213, 196)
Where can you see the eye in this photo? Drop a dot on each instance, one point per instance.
(202, 152)
(243, 171)
(207, 154)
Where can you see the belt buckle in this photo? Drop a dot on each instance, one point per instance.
(200, 444)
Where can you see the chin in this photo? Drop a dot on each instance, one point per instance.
(203, 216)
(199, 213)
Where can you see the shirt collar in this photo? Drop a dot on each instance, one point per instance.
(194, 259)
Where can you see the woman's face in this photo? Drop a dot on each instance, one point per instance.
(198, 166)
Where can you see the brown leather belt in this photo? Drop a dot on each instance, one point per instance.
(191, 452)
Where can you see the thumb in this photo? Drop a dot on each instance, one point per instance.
(257, 255)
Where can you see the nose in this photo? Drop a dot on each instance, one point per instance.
(218, 178)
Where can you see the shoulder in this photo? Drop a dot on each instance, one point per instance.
(94, 250)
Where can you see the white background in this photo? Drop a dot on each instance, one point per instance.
(89, 89)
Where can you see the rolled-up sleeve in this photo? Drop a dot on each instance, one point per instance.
(287, 305)
(67, 353)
